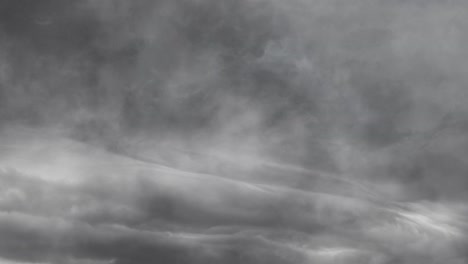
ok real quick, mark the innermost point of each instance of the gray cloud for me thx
(253, 131)
(154, 214)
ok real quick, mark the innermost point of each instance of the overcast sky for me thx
(233, 131)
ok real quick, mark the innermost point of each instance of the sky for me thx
(234, 131)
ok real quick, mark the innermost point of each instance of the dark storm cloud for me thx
(50, 239)
(141, 212)
(135, 192)
(233, 131)
(47, 25)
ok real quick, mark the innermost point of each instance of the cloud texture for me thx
(248, 131)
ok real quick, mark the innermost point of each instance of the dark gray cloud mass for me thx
(234, 131)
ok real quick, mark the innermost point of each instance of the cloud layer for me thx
(252, 131)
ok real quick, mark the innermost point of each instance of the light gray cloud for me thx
(251, 131)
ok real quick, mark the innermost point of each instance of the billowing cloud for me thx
(251, 131)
